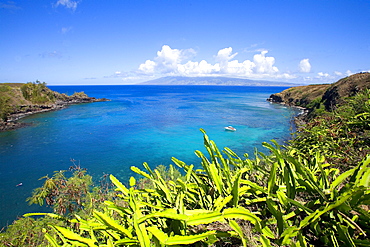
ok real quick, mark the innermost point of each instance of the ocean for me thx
(140, 124)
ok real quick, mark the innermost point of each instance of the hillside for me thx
(324, 96)
(18, 100)
(336, 119)
(219, 81)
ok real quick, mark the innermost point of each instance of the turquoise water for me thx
(141, 124)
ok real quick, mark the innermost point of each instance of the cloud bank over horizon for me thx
(180, 62)
(175, 62)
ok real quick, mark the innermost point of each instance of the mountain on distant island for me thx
(220, 81)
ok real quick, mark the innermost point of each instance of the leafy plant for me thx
(299, 201)
(28, 232)
(315, 203)
(342, 136)
(37, 92)
(70, 195)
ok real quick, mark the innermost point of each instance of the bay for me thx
(140, 124)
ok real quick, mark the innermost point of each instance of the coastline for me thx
(27, 110)
(301, 119)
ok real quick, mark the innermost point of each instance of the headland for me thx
(321, 97)
(18, 100)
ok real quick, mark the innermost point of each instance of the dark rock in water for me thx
(276, 98)
(12, 125)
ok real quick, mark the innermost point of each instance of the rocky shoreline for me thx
(301, 119)
(26, 110)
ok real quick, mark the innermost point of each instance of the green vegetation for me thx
(313, 192)
(32, 97)
(28, 232)
(66, 192)
(6, 96)
(37, 93)
(73, 194)
(342, 136)
(5, 108)
(14, 96)
(79, 95)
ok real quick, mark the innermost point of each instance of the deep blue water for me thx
(140, 124)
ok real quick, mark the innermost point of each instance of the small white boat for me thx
(230, 128)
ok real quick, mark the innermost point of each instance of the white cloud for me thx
(195, 68)
(244, 68)
(53, 54)
(168, 59)
(147, 67)
(223, 56)
(70, 4)
(305, 66)
(253, 48)
(66, 30)
(286, 76)
(323, 75)
(176, 62)
(264, 65)
(10, 5)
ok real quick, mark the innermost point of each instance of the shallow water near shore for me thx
(140, 124)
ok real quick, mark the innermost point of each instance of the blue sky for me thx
(130, 41)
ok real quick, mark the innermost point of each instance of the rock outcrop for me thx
(299, 96)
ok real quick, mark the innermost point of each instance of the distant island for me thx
(18, 100)
(218, 81)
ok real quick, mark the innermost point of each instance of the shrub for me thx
(28, 232)
(302, 201)
(37, 92)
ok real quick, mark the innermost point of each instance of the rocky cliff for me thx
(18, 100)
